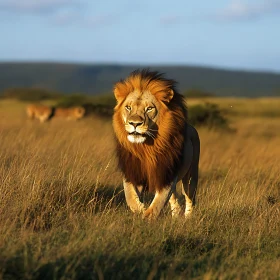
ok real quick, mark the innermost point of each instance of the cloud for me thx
(240, 10)
(59, 12)
(36, 6)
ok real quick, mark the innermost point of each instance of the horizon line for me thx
(139, 64)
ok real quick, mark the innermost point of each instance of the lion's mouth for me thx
(135, 133)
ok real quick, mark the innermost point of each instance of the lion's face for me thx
(140, 112)
(143, 101)
(79, 112)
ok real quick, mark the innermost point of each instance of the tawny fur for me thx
(161, 156)
(72, 113)
(39, 111)
(155, 145)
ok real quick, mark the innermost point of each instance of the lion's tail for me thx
(190, 181)
(196, 152)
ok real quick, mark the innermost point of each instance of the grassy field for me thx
(63, 214)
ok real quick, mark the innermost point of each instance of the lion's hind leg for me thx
(132, 197)
(189, 186)
(176, 209)
(190, 180)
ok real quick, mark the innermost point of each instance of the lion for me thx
(155, 145)
(38, 111)
(72, 113)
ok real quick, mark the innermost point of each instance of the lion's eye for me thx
(128, 108)
(149, 109)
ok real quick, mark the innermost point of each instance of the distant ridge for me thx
(99, 78)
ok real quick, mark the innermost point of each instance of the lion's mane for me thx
(154, 163)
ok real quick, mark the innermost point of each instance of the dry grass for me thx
(63, 215)
(245, 107)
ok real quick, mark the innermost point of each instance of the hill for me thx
(98, 79)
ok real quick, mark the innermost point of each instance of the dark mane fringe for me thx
(146, 74)
(152, 165)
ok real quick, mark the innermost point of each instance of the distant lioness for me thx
(39, 111)
(155, 145)
(73, 113)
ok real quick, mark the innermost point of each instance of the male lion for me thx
(40, 112)
(73, 113)
(156, 147)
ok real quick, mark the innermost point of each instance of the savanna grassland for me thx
(63, 214)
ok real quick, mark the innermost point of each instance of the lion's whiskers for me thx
(150, 134)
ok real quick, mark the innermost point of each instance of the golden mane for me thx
(155, 163)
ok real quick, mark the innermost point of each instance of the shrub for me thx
(30, 94)
(102, 105)
(107, 100)
(197, 93)
(72, 100)
(102, 110)
(207, 114)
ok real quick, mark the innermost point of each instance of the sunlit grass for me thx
(63, 214)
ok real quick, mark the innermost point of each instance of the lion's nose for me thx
(135, 124)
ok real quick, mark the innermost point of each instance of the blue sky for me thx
(241, 34)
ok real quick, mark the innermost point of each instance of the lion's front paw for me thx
(188, 213)
(137, 208)
(147, 214)
(177, 212)
(140, 211)
(150, 214)
(188, 210)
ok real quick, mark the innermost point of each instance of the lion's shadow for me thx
(114, 197)
(105, 196)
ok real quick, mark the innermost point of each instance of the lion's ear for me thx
(169, 95)
(117, 94)
(120, 92)
(166, 96)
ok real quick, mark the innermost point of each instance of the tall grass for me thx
(63, 213)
